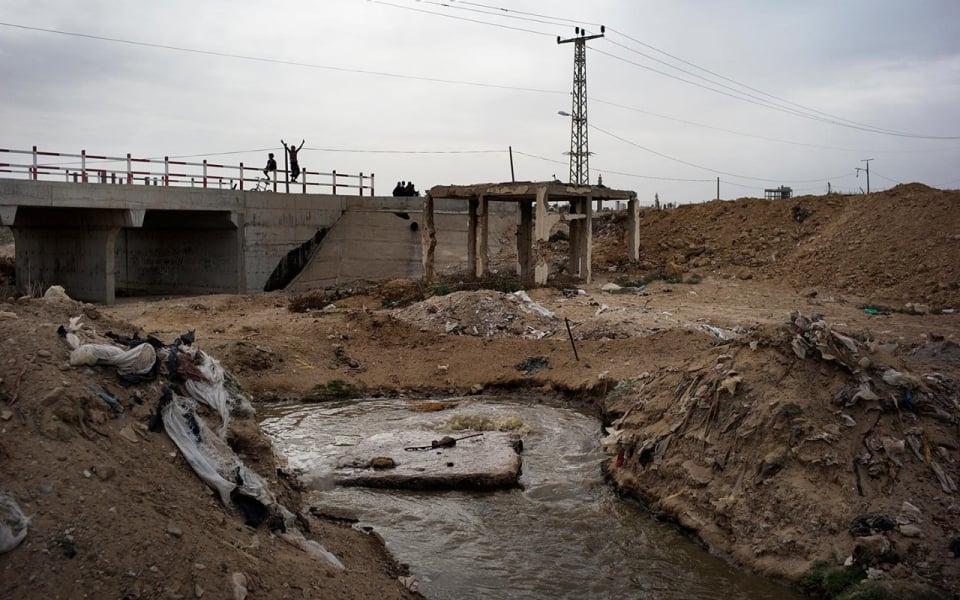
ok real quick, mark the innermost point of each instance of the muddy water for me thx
(563, 534)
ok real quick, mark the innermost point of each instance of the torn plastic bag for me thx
(293, 536)
(13, 523)
(528, 304)
(220, 468)
(211, 391)
(136, 362)
(209, 456)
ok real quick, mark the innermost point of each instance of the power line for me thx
(766, 104)
(277, 60)
(430, 12)
(696, 166)
(654, 177)
(761, 137)
(803, 112)
(743, 85)
(463, 82)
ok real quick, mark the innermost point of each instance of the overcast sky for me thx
(436, 92)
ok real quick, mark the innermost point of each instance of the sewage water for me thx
(563, 534)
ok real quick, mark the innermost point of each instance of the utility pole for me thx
(579, 149)
(867, 160)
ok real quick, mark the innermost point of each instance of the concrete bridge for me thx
(99, 240)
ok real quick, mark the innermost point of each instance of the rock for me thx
(43, 353)
(382, 462)
(129, 434)
(197, 591)
(173, 530)
(609, 288)
(56, 294)
(698, 475)
(6, 415)
(871, 550)
(476, 389)
(239, 582)
(910, 531)
(105, 473)
(909, 514)
(4, 314)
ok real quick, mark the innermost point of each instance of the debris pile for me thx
(825, 420)
(192, 377)
(483, 313)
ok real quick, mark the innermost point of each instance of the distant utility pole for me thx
(866, 160)
(579, 149)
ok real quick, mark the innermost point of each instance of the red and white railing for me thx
(92, 168)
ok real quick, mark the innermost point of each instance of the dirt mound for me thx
(899, 246)
(771, 446)
(115, 509)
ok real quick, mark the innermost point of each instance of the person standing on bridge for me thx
(292, 153)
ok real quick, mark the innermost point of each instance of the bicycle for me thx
(263, 185)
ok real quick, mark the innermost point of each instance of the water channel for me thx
(563, 534)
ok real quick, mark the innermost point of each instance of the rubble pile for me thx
(484, 313)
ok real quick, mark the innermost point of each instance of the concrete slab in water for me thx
(488, 461)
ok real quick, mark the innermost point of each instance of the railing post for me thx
(34, 163)
(204, 172)
(166, 171)
(83, 167)
(371, 185)
(304, 180)
(334, 182)
(241, 176)
(129, 170)
(361, 183)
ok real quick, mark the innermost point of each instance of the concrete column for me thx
(525, 244)
(633, 230)
(543, 226)
(472, 207)
(573, 244)
(428, 240)
(483, 230)
(586, 240)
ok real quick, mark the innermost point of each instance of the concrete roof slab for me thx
(483, 462)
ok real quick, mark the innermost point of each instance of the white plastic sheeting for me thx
(220, 468)
(13, 523)
(211, 391)
(211, 458)
(135, 361)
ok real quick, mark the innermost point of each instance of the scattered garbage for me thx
(527, 303)
(870, 524)
(725, 336)
(195, 377)
(533, 364)
(13, 523)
